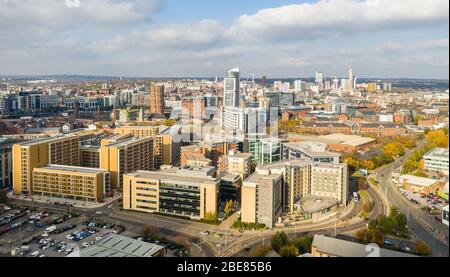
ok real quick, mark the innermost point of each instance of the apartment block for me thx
(330, 180)
(71, 182)
(61, 150)
(126, 156)
(138, 131)
(90, 156)
(6, 164)
(184, 192)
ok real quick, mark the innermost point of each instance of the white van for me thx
(34, 254)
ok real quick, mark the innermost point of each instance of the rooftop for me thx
(343, 248)
(438, 153)
(119, 246)
(313, 204)
(127, 142)
(312, 148)
(191, 176)
(66, 168)
(419, 181)
(46, 140)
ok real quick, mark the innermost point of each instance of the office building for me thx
(126, 156)
(156, 98)
(262, 198)
(188, 192)
(232, 89)
(437, 160)
(319, 78)
(245, 120)
(69, 182)
(230, 187)
(237, 163)
(6, 165)
(314, 151)
(61, 150)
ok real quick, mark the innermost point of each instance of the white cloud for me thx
(328, 18)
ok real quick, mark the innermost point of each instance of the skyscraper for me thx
(319, 78)
(156, 104)
(232, 88)
(351, 79)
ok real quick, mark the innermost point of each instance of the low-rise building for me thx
(314, 151)
(419, 184)
(323, 246)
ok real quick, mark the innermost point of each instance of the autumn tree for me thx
(422, 249)
(437, 139)
(228, 207)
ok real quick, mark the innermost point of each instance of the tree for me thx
(303, 244)
(279, 240)
(394, 149)
(288, 251)
(437, 139)
(228, 208)
(422, 249)
(260, 251)
(211, 217)
(3, 197)
(362, 184)
(369, 165)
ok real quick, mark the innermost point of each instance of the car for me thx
(7, 208)
(407, 249)
(205, 233)
(388, 242)
(30, 230)
(42, 256)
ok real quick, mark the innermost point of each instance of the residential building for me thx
(330, 180)
(232, 88)
(230, 187)
(237, 163)
(156, 99)
(90, 156)
(187, 192)
(69, 182)
(6, 165)
(138, 131)
(126, 156)
(61, 150)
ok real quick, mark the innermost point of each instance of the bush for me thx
(260, 251)
(422, 249)
(248, 226)
(288, 251)
(303, 244)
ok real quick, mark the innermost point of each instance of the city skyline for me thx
(169, 38)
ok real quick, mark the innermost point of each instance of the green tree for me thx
(288, 251)
(279, 240)
(303, 244)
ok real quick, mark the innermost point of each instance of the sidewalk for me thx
(73, 203)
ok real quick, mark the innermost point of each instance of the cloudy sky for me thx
(191, 38)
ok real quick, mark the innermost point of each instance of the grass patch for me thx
(248, 226)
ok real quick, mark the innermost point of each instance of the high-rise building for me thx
(125, 156)
(335, 83)
(351, 79)
(6, 165)
(156, 98)
(189, 192)
(372, 86)
(61, 150)
(299, 86)
(330, 180)
(319, 78)
(232, 88)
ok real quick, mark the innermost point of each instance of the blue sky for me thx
(190, 38)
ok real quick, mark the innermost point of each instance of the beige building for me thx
(238, 163)
(185, 192)
(138, 131)
(61, 150)
(298, 179)
(78, 183)
(90, 156)
(126, 156)
(330, 180)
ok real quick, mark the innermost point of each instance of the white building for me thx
(232, 88)
(386, 118)
(319, 78)
(245, 120)
(437, 160)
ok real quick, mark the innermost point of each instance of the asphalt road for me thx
(418, 221)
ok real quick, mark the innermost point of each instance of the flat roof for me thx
(46, 139)
(120, 246)
(420, 181)
(127, 142)
(176, 175)
(67, 168)
(314, 204)
(348, 139)
(311, 148)
(438, 153)
(343, 248)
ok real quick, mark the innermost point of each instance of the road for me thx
(417, 219)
